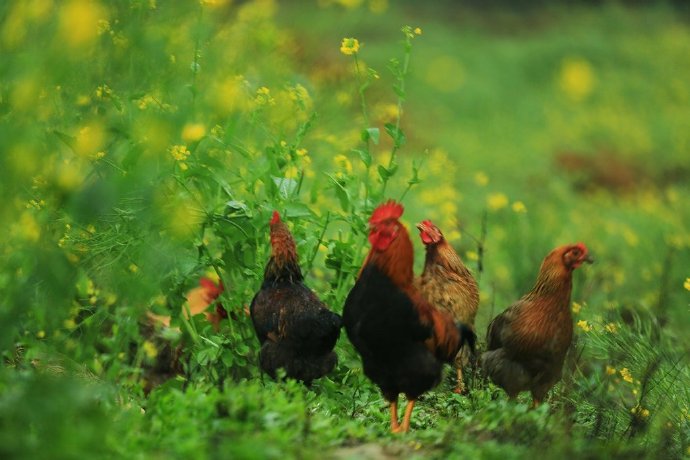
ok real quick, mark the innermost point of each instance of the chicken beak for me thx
(588, 259)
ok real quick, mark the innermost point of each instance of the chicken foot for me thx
(395, 426)
(405, 427)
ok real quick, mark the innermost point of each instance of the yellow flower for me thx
(79, 22)
(41, 334)
(193, 132)
(133, 268)
(27, 227)
(301, 152)
(627, 376)
(349, 46)
(686, 285)
(577, 78)
(642, 412)
(418, 31)
(263, 97)
(472, 255)
(584, 325)
(291, 172)
(610, 370)
(344, 163)
(496, 201)
(611, 327)
(150, 349)
(103, 91)
(179, 152)
(519, 207)
(576, 308)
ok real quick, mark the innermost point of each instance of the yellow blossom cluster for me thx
(584, 325)
(519, 207)
(611, 327)
(263, 97)
(576, 78)
(179, 152)
(641, 411)
(576, 307)
(103, 92)
(349, 46)
(626, 374)
(192, 132)
(343, 163)
(150, 349)
(496, 201)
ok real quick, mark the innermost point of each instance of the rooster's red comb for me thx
(427, 223)
(276, 218)
(388, 210)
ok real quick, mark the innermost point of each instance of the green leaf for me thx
(341, 193)
(286, 187)
(387, 173)
(396, 134)
(68, 140)
(371, 133)
(399, 92)
(237, 207)
(297, 210)
(365, 156)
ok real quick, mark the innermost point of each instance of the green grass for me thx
(140, 152)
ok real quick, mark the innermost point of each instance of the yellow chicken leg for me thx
(405, 427)
(395, 426)
(460, 388)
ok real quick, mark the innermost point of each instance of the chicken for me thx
(528, 342)
(198, 301)
(200, 298)
(296, 330)
(402, 339)
(158, 331)
(448, 285)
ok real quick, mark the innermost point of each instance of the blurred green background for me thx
(143, 144)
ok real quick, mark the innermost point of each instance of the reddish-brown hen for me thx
(296, 330)
(402, 338)
(448, 285)
(527, 343)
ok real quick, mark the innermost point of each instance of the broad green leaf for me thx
(365, 156)
(286, 187)
(371, 133)
(396, 134)
(297, 210)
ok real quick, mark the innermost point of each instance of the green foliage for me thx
(145, 145)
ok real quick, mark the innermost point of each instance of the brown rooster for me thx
(447, 284)
(402, 338)
(527, 343)
(296, 330)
